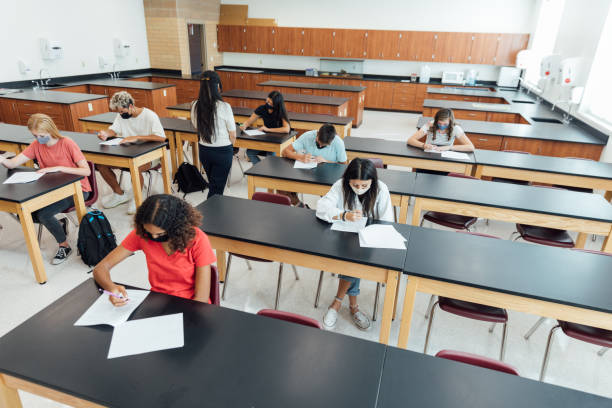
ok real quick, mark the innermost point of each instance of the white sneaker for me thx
(116, 199)
(330, 318)
(131, 207)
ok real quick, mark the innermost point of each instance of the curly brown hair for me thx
(175, 216)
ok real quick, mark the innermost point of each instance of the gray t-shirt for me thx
(441, 138)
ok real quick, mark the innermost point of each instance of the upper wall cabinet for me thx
(446, 47)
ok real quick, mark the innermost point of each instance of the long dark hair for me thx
(441, 115)
(206, 108)
(361, 169)
(278, 108)
(177, 217)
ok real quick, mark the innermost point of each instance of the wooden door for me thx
(237, 38)
(318, 42)
(508, 46)
(382, 44)
(349, 43)
(502, 117)
(288, 40)
(8, 111)
(259, 39)
(452, 47)
(421, 44)
(223, 38)
(484, 48)
(487, 142)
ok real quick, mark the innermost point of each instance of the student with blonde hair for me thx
(53, 152)
(134, 125)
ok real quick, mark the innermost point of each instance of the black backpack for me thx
(96, 238)
(189, 179)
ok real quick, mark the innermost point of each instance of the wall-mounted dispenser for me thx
(51, 49)
(24, 68)
(549, 66)
(122, 48)
(102, 63)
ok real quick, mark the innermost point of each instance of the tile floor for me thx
(574, 364)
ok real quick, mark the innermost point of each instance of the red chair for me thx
(511, 181)
(290, 317)
(215, 299)
(269, 198)
(543, 235)
(378, 163)
(470, 310)
(476, 360)
(454, 221)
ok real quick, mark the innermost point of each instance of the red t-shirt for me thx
(173, 274)
(64, 153)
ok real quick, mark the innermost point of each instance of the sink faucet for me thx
(41, 76)
(114, 74)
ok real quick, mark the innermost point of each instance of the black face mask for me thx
(126, 115)
(319, 146)
(162, 238)
(270, 107)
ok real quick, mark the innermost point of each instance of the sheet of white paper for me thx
(102, 310)
(147, 335)
(455, 155)
(112, 142)
(349, 226)
(23, 177)
(254, 132)
(432, 151)
(387, 245)
(381, 236)
(301, 165)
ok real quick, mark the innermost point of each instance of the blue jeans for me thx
(46, 216)
(252, 155)
(353, 290)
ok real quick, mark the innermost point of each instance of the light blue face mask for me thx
(43, 139)
(442, 127)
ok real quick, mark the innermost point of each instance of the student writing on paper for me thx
(321, 146)
(275, 119)
(441, 134)
(357, 194)
(53, 152)
(133, 124)
(177, 251)
(214, 120)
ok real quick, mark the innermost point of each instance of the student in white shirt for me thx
(441, 134)
(357, 194)
(216, 127)
(134, 125)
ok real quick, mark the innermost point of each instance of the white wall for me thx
(443, 15)
(85, 27)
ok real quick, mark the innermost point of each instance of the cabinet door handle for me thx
(483, 140)
(471, 114)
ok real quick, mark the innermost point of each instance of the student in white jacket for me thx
(357, 194)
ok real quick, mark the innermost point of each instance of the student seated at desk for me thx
(357, 194)
(177, 251)
(441, 134)
(133, 124)
(321, 146)
(275, 119)
(53, 152)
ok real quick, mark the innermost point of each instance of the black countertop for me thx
(19, 193)
(298, 98)
(65, 98)
(147, 86)
(306, 85)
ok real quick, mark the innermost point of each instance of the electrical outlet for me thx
(90, 107)
(164, 92)
(260, 61)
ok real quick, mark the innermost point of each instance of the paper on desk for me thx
(23, 177)
(349, 226)
(147, 335)
(254, 132)
(102, 310)
(381, 236)
(112, 142)
(432, 151)
(455, 155)
(301, 165)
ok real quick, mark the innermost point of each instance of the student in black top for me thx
(275, 119)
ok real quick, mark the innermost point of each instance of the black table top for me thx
(395, 148)
(313, 99)
(66, 98)
(294, 229)
(541, 272)
(118, 83)
(399, 182)
(450, 90)
(416, 380)
(19, 193)
(311, 85)
(230, 359)
(547, 164)
(267, 137)
(535, 199)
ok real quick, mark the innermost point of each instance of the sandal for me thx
(360, 319)
(330, 318)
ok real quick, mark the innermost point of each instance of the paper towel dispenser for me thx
(122, 48)
(51, 49)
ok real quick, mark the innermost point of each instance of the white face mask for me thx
(360, 191)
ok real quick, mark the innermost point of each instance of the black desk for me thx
(547, 281)
(277, 173)
(412, 379)
(24, 199)
(563, 209)
(400, 154)
(230, 359)
(295, 236)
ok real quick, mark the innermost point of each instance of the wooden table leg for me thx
(404, 204)
(411, 289)
(396, 296)
(221, 264)
(136, 187)
(477, 171)
(9, 397)
(468, 170)
(387, 314)
(79, 204)
(172, 144)
(251, 184)
(416, 212)
(179, 150)
(581, 240)
(165, 171)
(608, 196)
(29, 233)
(195, 153)
(607, 244)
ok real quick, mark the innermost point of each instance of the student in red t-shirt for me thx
(178, 252)
(53, 152)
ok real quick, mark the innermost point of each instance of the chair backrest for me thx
(461, 175)
(93, 197)
(378, 163)
(272, 198)
(591, 251)
(215, 299)
(476, 360)
(515, 151)
(478, 234)
(290, 317)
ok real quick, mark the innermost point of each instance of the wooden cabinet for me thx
(487, 142)
(231, 38)
(417, 45)
(288, 41)
(467, 114)
(484, 48)
(260, 39)
(508, 46)
(382, 44)
(403, 97)
(157, 100)
(8, 111)
(76, 89)
(379, 95)
(319, 42)
(349, 43)
(187, 90)
(452, 97)
(502, 117)
(486, 99)
(452, 47)
(552, 148)
(223, 38)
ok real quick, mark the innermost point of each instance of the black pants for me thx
(217, 163)
(46, 216)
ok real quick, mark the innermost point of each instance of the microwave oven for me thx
(452, 77)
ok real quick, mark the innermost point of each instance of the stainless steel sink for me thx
(547, 120)
(50, 86)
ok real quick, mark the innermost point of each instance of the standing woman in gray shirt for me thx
(214, 121)
(441, 134)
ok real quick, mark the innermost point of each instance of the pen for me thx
(106, 292)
